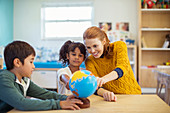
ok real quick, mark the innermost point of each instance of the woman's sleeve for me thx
(91, 67)
(122, 57)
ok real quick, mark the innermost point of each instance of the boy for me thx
(15, 84)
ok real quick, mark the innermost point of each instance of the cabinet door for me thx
(45, 79)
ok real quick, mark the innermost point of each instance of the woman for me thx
(109, 62)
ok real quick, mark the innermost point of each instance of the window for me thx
(63, 21)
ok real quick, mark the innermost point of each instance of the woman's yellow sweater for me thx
(100, 67)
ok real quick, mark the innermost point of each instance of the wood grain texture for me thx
(124, 104)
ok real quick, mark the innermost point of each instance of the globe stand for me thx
(86, 103)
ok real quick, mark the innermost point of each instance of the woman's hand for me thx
(100, 82)
(71, 103)
(109, 96)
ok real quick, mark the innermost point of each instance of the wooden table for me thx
(124, 104)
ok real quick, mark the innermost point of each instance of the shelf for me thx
(164, 49)
(131, 46)
(155, 19)
(155, 29)
(165, 67)
(154, 26)
(155, 9)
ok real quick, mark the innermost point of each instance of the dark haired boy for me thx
(15, 84)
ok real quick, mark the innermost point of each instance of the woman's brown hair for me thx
(95, 32)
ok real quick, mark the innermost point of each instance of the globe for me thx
(83, 83)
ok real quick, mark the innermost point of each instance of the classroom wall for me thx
(117, 11)
(6, 22)
(27, 18)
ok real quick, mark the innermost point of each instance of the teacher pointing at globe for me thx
(109, 62)
(73, 54)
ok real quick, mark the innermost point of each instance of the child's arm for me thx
(65, 79)
(41, 93)
(107, 95)
(11, 96)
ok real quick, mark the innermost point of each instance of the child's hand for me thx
(65, 78)
(109, 96)
(70, 103)
(100, 82)
(67, 85)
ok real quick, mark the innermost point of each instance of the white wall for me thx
(27, 21)
(117, 11)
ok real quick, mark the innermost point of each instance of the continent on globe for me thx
(83, 83)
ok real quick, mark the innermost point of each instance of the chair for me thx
(163, 79)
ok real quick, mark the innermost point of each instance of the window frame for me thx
(68, 4)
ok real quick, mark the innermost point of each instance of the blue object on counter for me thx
(130, 41)
(49, 65)
(83, 65)
(4, 66)
(52, 65)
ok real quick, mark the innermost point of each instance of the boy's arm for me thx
(107, 95)
(41, 93)
(65, 103)
(12, 95)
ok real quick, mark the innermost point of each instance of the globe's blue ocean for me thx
(83, 83)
